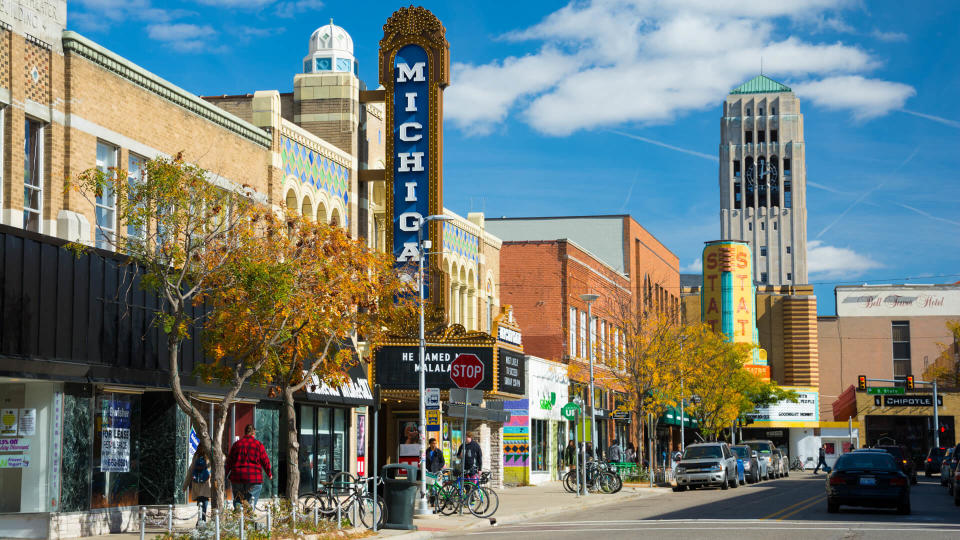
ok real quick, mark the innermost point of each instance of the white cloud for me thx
(836, 262)
(889, 37)
(603, 63)
(867, 98)
(694, 267)
(183, 37)
(247, 4)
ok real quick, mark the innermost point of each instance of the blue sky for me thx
(613, 106)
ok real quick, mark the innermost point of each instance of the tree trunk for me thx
(293, 446)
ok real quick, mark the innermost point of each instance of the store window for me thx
(32, 175)
(115, 479)
(29, 412)
(136, 173)
(323, 444)
(573, 332)
(539, 432)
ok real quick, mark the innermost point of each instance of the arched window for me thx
(292, 201)
(306, 210)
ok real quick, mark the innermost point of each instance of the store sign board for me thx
(898, 301)
(14, 462)
(907, 401)
(509, 335)
(806, 409)
(414, 69)
(570, 411)
(398, 366)
(115, 437)
(511, 373)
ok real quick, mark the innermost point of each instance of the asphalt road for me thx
(793, 507)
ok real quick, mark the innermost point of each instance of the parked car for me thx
(765, 453)
(784, 463)
(870, 479)
(946, 466)
(707, 464)
(934, 459)
(954, 466)
(903, 457)
(751, 465)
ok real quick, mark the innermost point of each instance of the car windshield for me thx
(937, 452)
(875, 461)
(763, 447)
(741, 451)
(698, 452)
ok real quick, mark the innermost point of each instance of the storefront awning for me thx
(672, 418)
(355, 391)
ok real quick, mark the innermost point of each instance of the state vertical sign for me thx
(414, 70)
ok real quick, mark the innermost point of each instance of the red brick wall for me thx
(531, 280)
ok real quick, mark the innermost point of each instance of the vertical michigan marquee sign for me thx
(728, 300)
(414, 70)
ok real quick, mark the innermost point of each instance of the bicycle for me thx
(599, 478)
(480, 500)
(796, 464)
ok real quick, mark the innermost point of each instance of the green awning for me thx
(672, 418)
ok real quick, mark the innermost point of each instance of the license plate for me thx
(868, 481)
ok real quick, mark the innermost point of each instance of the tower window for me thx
(763, 226)
(748, 137)
(761, 111)
(789, 276)
(763, 251)
(773, 111)
(736, 168)
(788, 250)
(748, 111)
(774, 225)
(763, 277)
(749, 225)
(786, 166)
(787, 194)
(774, 136)
(761, 136)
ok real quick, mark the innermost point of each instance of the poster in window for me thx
(27, 425)
(115, 437)
(8, 422)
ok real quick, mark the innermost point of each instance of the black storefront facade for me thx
(90, 429)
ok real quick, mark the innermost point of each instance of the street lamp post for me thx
(423, 508)
(590, 299)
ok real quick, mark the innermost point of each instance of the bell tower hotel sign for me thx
(42, 19)
(414, 70)
(898, 301)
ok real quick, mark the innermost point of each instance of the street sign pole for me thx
(936, 418)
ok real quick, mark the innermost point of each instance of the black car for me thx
(872, 479)
(934, 460)
(903, 458)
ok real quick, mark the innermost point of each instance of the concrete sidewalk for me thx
(521, 504)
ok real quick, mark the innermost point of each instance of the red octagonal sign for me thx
(466, 371)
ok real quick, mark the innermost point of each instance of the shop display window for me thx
(539, 433)
(116, 450)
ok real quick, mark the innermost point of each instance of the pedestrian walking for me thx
(198, 482)
(821, 459)
(245, 465)
(471, 457)
(435, 460)
(615, 453)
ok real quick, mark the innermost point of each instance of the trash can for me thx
(399, 495)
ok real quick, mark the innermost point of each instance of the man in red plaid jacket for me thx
(247, 458)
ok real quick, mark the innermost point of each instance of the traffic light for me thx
(909, 382)
(862, 382)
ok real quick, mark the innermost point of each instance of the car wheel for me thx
(956, 497)
(678, 489)
(832, 507)
(913, 480)
(904, 508)
(735, 483)
(786, 473)
(725, 484)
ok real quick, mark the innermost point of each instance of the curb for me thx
(512, 518)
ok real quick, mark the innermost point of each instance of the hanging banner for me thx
(361, 445)
(115, 437)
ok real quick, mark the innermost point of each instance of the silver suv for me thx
(765, 450)
(707, 464)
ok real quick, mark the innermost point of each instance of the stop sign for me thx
(466, 371)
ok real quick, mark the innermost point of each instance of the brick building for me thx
(547, 263)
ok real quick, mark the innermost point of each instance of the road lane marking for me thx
(802, 508)
(783, 528)
(792, 506)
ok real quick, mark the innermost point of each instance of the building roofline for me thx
(75, 43)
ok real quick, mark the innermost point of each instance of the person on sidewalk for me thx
(821, 459)
(591, 454)
(247, 459)
(198, 482)
(614, 453)
(471, 457)
(570, 455)
(631, 453)
(435, 460)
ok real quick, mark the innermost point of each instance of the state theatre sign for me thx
(414, 70)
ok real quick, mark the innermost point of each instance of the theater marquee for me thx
(414, 70)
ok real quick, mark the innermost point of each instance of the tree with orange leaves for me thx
(180, 235)
(295, 295)
(946, 368)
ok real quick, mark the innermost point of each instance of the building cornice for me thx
(74, 43)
